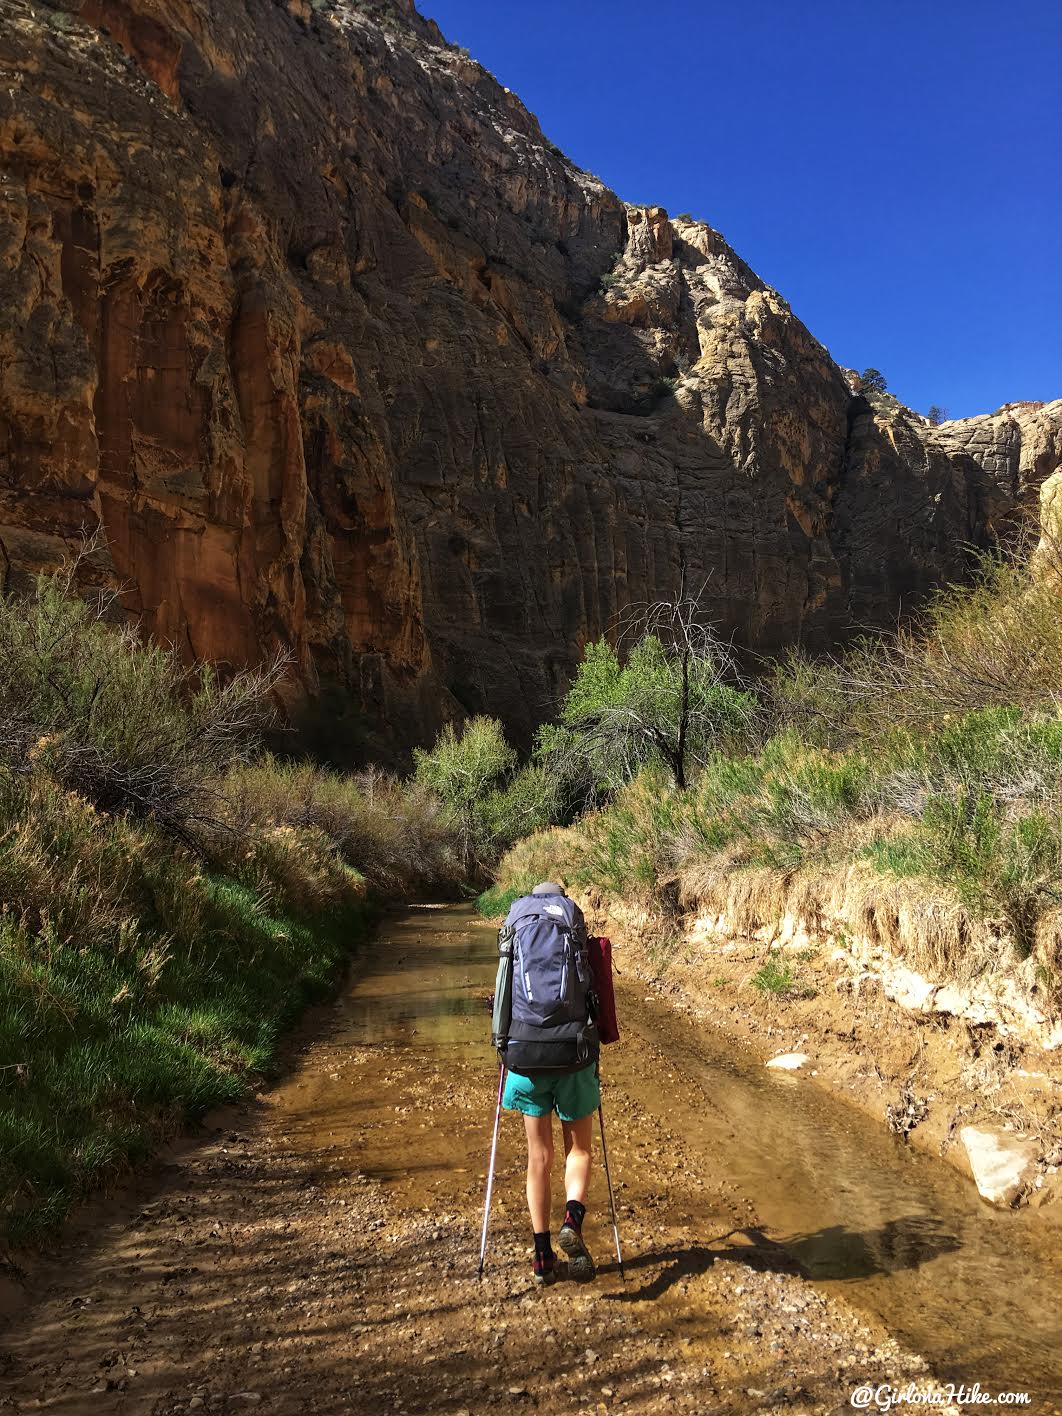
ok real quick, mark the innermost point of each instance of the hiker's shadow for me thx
(831, 1253)
(906, 1243)
(688, 1260)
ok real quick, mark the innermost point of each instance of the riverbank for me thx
(964, 1067)
(923, 1074)
(171, 896)
(143, 982)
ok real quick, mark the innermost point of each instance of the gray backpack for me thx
(543, 1013)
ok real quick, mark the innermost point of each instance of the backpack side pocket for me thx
(501, 1018)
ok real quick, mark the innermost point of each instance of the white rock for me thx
(789, 1061)
(909, 989)
(963, 1004)
(1003, 1165)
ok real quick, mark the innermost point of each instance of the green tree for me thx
(873, 381)
(465, 768)
(670, 702)
(530, 801)
(936, 414)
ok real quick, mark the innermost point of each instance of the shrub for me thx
(998, 865)
(529, 802)
(669, 704)
(464, 768)
(663, 386)
(808, 796)
(398, 837)
(782, 804)
(995, 643)
(807, 696)
(1001, 751)
(166, 906)
(611, 277)
(297, 872)
(118, 720)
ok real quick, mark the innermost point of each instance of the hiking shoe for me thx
(544, 1270)
(580, 1264)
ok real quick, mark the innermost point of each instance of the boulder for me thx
(1003, 1165)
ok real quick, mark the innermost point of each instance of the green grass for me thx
(496, 900)
(103, 1053)
(171, 898)
(994, 861)
(780, 980)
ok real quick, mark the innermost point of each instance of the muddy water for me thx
(901, 1235)
(976, 1290)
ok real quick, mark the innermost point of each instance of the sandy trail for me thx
(316, 1253)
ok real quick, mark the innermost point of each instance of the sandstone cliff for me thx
(301, 307)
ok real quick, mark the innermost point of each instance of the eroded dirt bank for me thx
(924, 1075)
(317, 1252)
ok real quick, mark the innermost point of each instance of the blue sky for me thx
(895, 169)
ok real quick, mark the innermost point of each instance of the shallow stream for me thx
(975, 1290)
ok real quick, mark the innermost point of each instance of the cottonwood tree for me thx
(671, 700)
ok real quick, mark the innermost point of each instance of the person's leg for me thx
(580, 1099)
(539, 1164)
(578, 1136)
(539, 1131)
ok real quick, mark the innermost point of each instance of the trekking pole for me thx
(490, 1172)
(611, 1196)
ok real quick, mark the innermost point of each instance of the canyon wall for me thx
(302, 310)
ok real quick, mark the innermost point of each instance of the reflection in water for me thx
(431, 986)
(840, 1253)
(837, 1196)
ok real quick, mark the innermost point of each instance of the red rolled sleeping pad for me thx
(600, 952)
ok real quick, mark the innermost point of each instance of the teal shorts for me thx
(572, 1095)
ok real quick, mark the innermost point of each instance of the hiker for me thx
(545, 1030)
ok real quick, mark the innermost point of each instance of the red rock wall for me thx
(300, 306)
